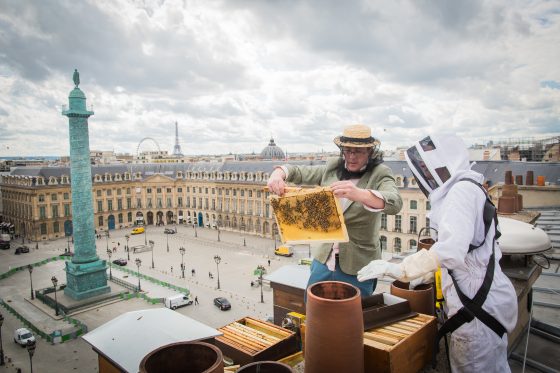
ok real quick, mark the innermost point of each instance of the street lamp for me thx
(195, 233)
(217, 259)
(107, 237)
(138, 262)
(68, 244)
(218, 234)
(30, 268)
(152, 245)
(182, 251)
(261, 270)
(55, 282)
(127, 249)
(145, 239)
(31, 349)
(167, 234)
(109, 254)
(1, 348)
(244, 242)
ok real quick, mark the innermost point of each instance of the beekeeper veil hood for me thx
(436, 161)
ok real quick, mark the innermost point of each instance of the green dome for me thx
(77, 93)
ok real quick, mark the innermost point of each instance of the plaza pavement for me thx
(238, 261)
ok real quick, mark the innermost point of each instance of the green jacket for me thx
(362, 225)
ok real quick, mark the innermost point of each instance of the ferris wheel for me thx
(147, 139)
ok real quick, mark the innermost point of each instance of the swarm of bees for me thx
(313, 211)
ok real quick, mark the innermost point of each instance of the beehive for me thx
(309, 215)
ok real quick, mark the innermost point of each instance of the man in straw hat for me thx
(365, 187)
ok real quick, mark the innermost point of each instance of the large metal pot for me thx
(192, 357)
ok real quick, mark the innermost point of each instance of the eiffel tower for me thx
(177, 148)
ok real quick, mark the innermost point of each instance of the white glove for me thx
(426, 279)
(379, 268)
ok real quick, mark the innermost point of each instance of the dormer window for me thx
(118, 177)
(40, 180)
(108, 177)
(53, 180)
(98, 178)
(127, 176)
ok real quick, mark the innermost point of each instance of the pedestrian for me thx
(192, 272)
(171, 269)
(114, 249)
(196, 300)
(481, 303)
(210, 275)
(366, 190)
(119, 244)
(269, 262)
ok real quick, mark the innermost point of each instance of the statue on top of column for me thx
(76, 78)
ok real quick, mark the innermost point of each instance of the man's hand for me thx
(276, 182)
(347, 189)
(379, 268)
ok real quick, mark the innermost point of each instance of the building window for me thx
(242, 193)
(109, 192)
(427, 223)
(127, 190)
(42, 212)
(110, 205)
(99, 206)
(149, 203)
(100, 221)
(138, 203)
(43, 228)
(159, 203)
(428, 206)
(119, 192)
(179, 190)
(206, 190)
(41, 198)
(398, 223)
(129, 203)
(169, 202)
(66, 196)
(412, 244)
(98, 193)
(250, 193)
(383, 242)
(148, 190)
(129, 217)
(168, 190)
(53, 197)
(413, 205)
(383, 221)
(413, 224)
(67, 210)
(397, 244)
(120, 219)
(158, 190)
(56, 227)
(54, 211)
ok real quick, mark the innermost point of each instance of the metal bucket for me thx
(193, 357)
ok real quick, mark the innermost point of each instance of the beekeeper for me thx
(480, 300)
(365, 188)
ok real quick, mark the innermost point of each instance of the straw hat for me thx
(357, 136)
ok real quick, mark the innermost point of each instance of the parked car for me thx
(169, 231)
(22, 249)
(4, 245)
(120, 262)
(222, 303)
(137, 230)
(22, 336)
(284, 251)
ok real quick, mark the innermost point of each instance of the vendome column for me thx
(86, 273)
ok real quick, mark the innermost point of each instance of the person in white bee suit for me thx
(480, 300)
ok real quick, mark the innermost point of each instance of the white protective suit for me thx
(457, 214)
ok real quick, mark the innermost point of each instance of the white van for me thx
(177, 300)
(5, 237)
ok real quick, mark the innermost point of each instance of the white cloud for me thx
(233, 73)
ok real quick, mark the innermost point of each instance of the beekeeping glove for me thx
(428, 278)
(412, 267)
(379, 268)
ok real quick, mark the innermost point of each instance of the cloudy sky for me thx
(232, 73)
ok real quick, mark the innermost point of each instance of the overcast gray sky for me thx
(232, 73)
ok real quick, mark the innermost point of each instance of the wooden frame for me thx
(306, 215)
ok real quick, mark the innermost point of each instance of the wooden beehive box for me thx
(402, 347)
(249, 340)
(309, 215)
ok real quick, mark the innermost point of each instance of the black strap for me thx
(489, 214)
